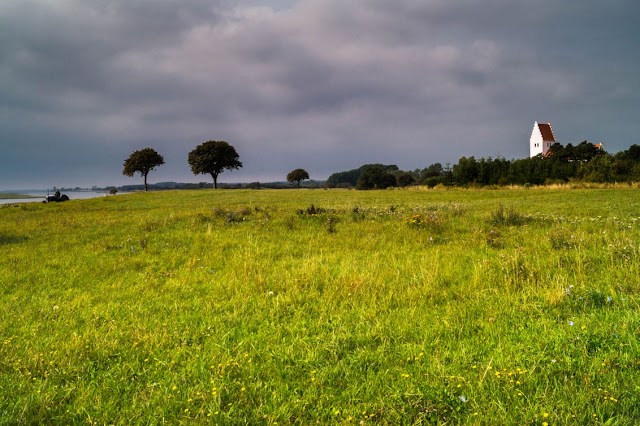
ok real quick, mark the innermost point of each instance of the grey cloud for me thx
(321, 84)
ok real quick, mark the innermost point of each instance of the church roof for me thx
(546, 132)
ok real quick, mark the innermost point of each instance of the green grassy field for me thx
(327, 306)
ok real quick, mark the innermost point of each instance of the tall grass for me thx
(388, 307)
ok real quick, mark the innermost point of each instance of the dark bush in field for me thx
(510, 217)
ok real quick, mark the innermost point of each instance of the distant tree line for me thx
(160, 186)
(583, 162)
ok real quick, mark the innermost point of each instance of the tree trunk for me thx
(145, 182)
(215, 181)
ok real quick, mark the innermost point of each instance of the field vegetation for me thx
(509, 306)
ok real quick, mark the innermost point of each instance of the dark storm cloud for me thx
(321, 84)
(54, 47)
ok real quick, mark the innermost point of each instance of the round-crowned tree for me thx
(142, 161)
(296, 176)
(212, 158)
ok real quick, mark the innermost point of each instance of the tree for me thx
(633, 153)
(352, 176)
(296, 176)
(142, 161)
(434, 170)
(466, 171)
(405, 179)
(376, 176)
(586, 151)
(212, 158)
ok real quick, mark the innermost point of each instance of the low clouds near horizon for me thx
(325, 85)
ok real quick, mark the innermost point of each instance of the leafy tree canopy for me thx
(633, 153)
(434, 170)
(296, 176)
(352, 176)
(405, 179)
(376, 177)
(142, 161)
(212, 158)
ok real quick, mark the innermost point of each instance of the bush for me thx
(431, 181)
(232, 216)
(509, 217)
(312, 210)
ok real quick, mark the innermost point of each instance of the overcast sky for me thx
(325, 85)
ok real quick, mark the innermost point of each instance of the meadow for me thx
(479, 307)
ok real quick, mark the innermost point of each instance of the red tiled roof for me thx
(546, 132)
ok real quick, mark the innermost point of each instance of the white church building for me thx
(542, 138)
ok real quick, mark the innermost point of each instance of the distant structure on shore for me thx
(542, 138)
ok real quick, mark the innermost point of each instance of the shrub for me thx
(312, 210)
(431, 181)
(232, 216)
(509, 217)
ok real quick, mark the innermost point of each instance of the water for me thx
(41, 195)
